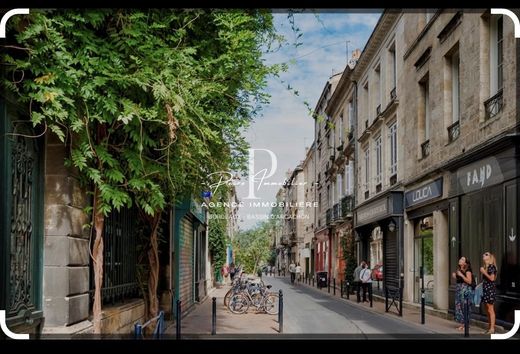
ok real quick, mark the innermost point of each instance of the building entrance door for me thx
(423, 260)
(21, 221)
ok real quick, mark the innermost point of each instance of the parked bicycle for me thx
(256, 295)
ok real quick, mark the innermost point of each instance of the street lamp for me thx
(391, 226)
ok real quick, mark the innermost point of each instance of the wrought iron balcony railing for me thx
(494, 105)
(425, 148)
(347, 205)
(336, 212)
(454, 131)
(393, 94)
(328, 216)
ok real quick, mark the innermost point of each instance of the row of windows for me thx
(379, 158)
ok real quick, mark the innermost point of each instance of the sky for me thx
(284, 126)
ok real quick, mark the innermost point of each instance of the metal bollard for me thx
(138, 330)
(178, 320)
(328, 284)
(341, 288)
(348, 290)
(280, 311)
(334, 286)
(370, 293)
(214, 316)
(423, 306)
(466, 318)
(313, 281)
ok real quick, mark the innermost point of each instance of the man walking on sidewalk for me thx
(357, 280)
(292, 270)
(366, 282)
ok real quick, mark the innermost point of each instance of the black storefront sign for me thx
(389, 205)
(481, 174)
(423, 194)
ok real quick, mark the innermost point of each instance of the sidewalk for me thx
(411, 314)
(198, 321)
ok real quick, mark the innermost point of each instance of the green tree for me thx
(252, 247)
(150, 101)
(348, 246)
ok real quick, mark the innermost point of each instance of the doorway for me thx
(423, 260)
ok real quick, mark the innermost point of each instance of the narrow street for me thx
(312, 311)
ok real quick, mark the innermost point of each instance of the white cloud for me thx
(285, 126)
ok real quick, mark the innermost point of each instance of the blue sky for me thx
(284, 126)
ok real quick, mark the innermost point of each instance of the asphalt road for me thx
(311, 311)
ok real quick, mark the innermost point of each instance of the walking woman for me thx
(463, 292)
(489, 276)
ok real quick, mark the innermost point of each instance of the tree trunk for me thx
(97, 256)
(153, 260)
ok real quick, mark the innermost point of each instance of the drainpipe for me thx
(354, 135)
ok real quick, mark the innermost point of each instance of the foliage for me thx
(217, 234)
(252, 247)
(146, 96)
(151, 101)
(349, 255)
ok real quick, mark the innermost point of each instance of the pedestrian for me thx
(489, 277)
(298, 271)
(232, 271)
(463, 291)
(357, 280)
(366, 281)
(292, 270)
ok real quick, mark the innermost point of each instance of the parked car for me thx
(377, 272)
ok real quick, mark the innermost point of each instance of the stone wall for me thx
(66, 249)
(122, 318)
(472, 36)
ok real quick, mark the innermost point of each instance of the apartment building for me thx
(340, 171)
(324, 157)
(378, 217)
(458, 90)
(306, 248)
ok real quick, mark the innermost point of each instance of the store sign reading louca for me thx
(478, 175)
(424, 193)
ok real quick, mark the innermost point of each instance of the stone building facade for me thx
(379, 213)
(324, 151)
(459, 90)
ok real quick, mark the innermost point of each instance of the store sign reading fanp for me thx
(480, 174)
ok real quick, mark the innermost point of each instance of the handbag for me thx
(477, 296)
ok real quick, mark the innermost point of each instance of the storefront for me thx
(321, 249)
(483, 217)
(426, 244)
(379, 232)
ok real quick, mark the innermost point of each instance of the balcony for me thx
(494, 105)
(425, 149)
(453, 131)
(347, 205)
(393, 94)
(378, 110)
(336, 213)
(328, 216)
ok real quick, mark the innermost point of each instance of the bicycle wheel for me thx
(228, 296)
(271, 304)
(238, 304)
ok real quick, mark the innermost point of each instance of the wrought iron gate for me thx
(21, 221)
